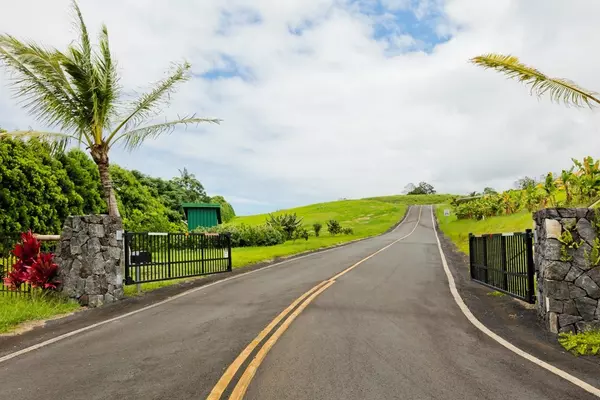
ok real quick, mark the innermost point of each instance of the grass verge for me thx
(585, 343)
(15, 310)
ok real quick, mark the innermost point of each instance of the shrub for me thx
(248, 235)
(301, 233)
(347, 231)
(32, 267)
(334, 227)
(286, 223)
(317, 228)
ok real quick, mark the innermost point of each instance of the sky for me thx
(329, 99)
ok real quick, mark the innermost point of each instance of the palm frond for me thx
(107, 73)
(559, 90)
(134, 138)
(40, 83)
(84, 37)
(148, 105)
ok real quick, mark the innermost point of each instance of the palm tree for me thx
(559, 90)
(78, 93)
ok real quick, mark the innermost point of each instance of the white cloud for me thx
(329, 112)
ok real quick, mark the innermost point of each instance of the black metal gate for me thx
(151, 257)
(504, 261)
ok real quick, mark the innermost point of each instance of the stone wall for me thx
(90, 259)
(568, 283)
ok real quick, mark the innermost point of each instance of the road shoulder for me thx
(514, 320)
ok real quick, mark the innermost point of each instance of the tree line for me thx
(40, 188)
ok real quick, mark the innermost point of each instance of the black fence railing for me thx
(152, 257)
(504, 262)
(8, 241)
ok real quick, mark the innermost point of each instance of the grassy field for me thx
(17, 309)
(365, 217)
(416, 199)
(458, 230)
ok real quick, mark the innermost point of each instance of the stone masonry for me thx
(90, 259)
(568, 284)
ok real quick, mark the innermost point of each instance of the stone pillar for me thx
(90, 259)
(568, 280)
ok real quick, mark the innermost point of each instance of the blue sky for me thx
(329, 99)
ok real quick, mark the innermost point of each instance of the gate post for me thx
(568, 281)
(90, 257)
(530, 266)
(230, 264)
(471, 256)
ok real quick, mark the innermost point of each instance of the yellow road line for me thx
(240, 389)
(222, 384)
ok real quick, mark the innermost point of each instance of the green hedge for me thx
(248, 235)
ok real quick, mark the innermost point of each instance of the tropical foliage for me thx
(579, 185)
(77, 92)
(288, 224)
(38, 190)
(559, 90)
(32, 267)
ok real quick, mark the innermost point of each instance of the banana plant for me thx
(565, 182)
(588, 178)
(549, 187)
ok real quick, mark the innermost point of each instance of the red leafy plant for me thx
(32, 266)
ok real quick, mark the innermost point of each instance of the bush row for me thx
(248, 235)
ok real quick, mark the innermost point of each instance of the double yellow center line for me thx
(242, 385)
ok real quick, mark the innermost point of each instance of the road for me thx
(386, 329)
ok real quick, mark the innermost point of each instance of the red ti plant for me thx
(43, 271)
(32, 267)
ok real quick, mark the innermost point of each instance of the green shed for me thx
(202, 214)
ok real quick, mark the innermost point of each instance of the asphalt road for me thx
(387, 329)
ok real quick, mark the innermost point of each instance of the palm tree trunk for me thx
(100, 157)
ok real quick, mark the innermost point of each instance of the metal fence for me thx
(8, 241)
(504, 262)
(152, 257)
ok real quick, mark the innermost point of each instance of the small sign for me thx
(446, 213)
(225, 253)
(119, 234)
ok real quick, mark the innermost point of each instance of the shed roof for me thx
(200, 205)
(187, 206)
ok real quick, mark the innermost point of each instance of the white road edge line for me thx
(168, 300)
(465, 310)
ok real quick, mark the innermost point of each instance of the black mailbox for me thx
(141, 257)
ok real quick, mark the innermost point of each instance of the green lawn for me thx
(458, 230)
(15, 309)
